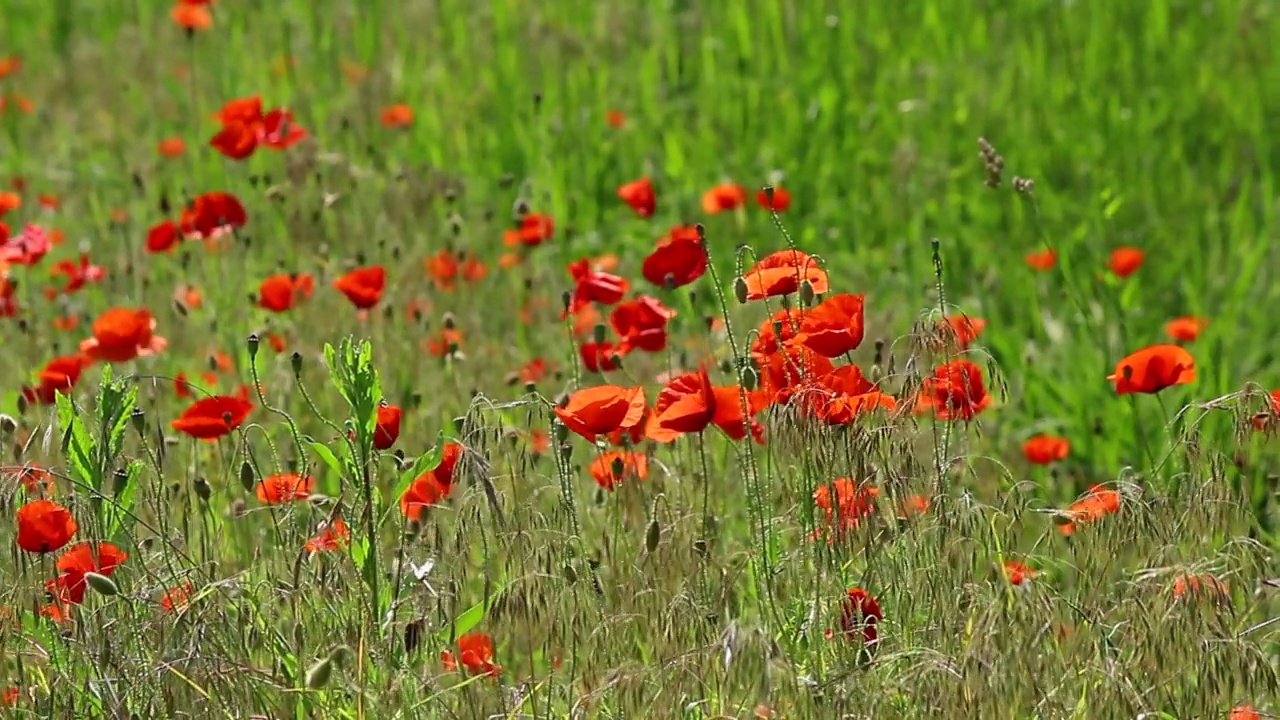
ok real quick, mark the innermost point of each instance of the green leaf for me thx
(327, 456)
(118, 507)
(471, 617)
(426, 462)
(77, 445)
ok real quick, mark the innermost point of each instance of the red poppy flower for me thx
(602, 409)
(678, 259)
(686, 404)
(843, 394)
(432, 486)
(782, 273)
(1046, 449)
(282, 291)
(363, 286)
(1244, 712)
(387, 430)
(1098, 502)
(641, 323)
(615, 118)
(1018, 572)
(176, 598)
(1185, 329)
(534, 370)
(640, 196)
(780, 201)
(1199, 587)
(172, 147)
(476, 652)
(163, 237)
(1042, 260)
(191, 17)
(59, 375)
(8, 302)
(789, 369)
(964, 328)
(396, 116)
(859, 615)
(729, 415)
(332, 536)
(245, 127)
(954, 391)
(834, 327)
(722, 197)
(79, 274)
(1153, 369)
(211, 215)
(122, 334)
(75, 562)
(1125, 261)
(594, 286)
(610, 468)
(213, 417)
(44, 526)
(533, 230)
(27, 247)
(777, 331)
(599, 357)
(284, 487)
(845, 503)
(235, 140)
(9, 201)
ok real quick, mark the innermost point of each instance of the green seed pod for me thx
(560, 431)
(139, 420)
(570, 575)
(247, 479)
(101, 584)
(806, 293)
(652, 536)
(740, 289)
(201, 486)
(598, 332)
(750, 378)
(296, 361)
(318, 675)
(252, 343)
(120, 481)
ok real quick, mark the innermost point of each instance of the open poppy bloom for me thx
(1153, 369)
(1042, 260)
(1185, 329)
(610, 468)
(245, 126)
(1199, 587)
(177, 597)
(777, 200)
(602, 409)
(1046, 449)
(954, 391)
(641, 323)
(432, 486)
(730, 417)
(284, 487)
(1018, 572)
(44, 526)
(782, 273)
(191, 17)
(122, 334)
(843, 394)
(58, 376)
(964, 329)
(835, 326)
(363, 286)
(599, 357)
(387, 430)
(163, 237)
(533, 230)
(79, 274)
(594, 286)
(78, 560)
(686, 404)
(476, 655)
(845, 503)
(1244, 712)
(396, 116)
(858, 616)
(1098, 502)
(172, 147)
(282, 291)
(211, 215)
(640, 196)
(678, 259)
(1125, 261)
(722, 197)
(332, 536)
(27, 247)
(790, 369)
(213, 417)
(776, 331)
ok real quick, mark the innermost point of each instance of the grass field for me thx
(380, 360)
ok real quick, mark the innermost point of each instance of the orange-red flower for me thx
(284, 487)
(845, 503)
(1125, 261)
(780, 201)
(678, 259)
(387, 430)
(211, 215)
(1199, 587)
(840, 396)
(599, 356)
(79, 273)
(615, 118)
(640, 196)
(1042, 259)
(213, 417)
(610, 468)
(332, 536)
(363, 286)
(75, 562)
(792, 367)
(730, 416)
(177, 597)
(282, 291)
(602, 409)
(782, 273)
(835, 326)
(1185, 329)
(44, 526)
(122, 334)
(594, 286)
(533, 230)
(245, 127)
(27, 247)
(163, 236)
(686, 404)
(954, 391)
(963, 328)
(396, 116)
(59, 375)
(172, 147)
(1098, 502)
(1046, 449)
(722, 197)
(1153, 369)
(859, 615)
(476, 655)
(1244, 712)
(1018, 572)
(432, 486)
(191, 17)
(641, 323)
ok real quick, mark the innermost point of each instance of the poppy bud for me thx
(598, 333)
(460, 424)
(247, 479)
(560, 431)
(22, 404)
(318, 674)
(530, 387)
(570, 575)
(412, 528)
(448, 321)
(252, 343)
(566, 299)
(750, 378)
(768, 194)
(520, 208)
(296, 361)
(652, 536)
(120, 481)
(139, 419)
(740, 289)
(201, 486)
(806, 293)
(7, 426)
(566, 452)
(101, 584)
(298, 637)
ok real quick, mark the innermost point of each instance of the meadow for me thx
(596, 359)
